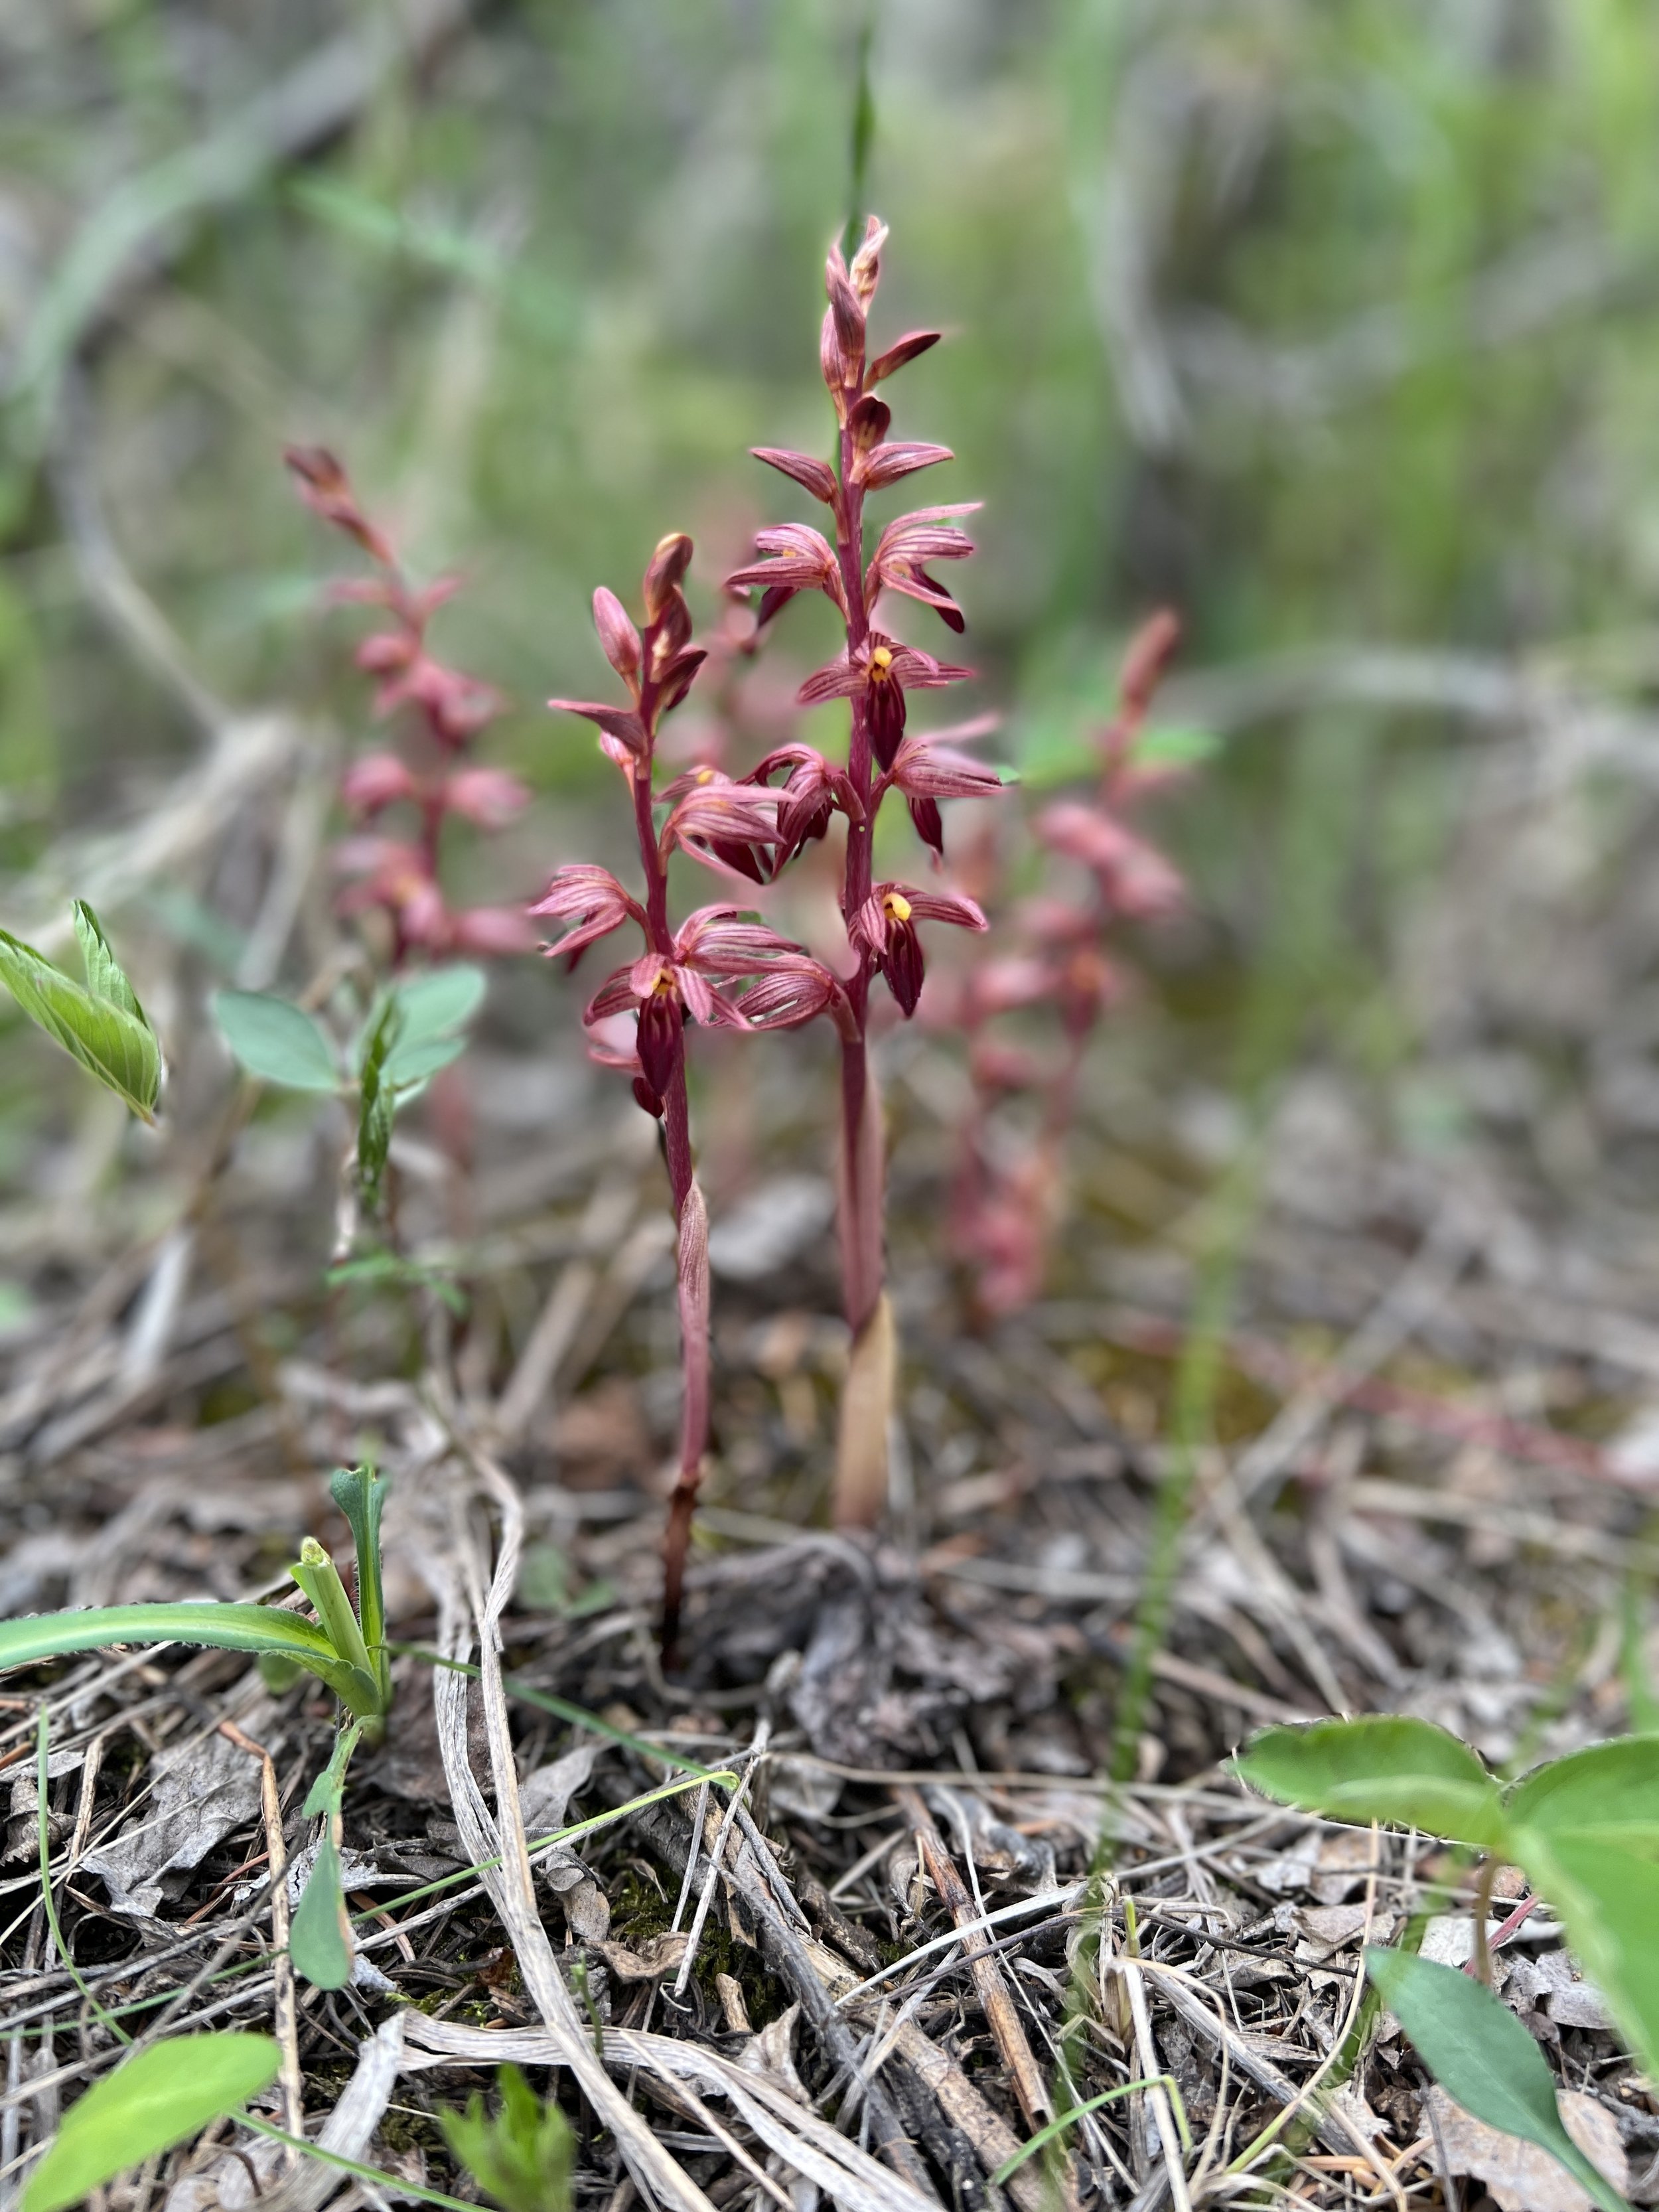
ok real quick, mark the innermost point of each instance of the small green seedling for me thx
(99, 1021)
(413, 1029)
(343, 1648)
(1583, 1829)
(161, 2097)
(521, 2157)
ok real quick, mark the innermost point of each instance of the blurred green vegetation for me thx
(1330, 321)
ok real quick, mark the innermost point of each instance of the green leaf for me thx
(377, 1105)
(1175, 746)
(1608, 1901)
(359, 1493)
(319, 1578)
(1382, 1767)
(277, 1042)
(440, 1002)
(390, 1270)
(319, 1939)
(1482, 2057)
(326, 1792)
(1610, 1791)
(111, 1043)
(411, 1065)
(105, 977)
(251, 1628)
(162, 2097)
(522, 2156)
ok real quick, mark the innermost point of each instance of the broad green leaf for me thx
(1611, 1789)
(1483, 2059)
(413, 1064)
(439, 1002)
(251, 1628)
(162, 2097)
(326, 1791)
(117, 1046)
(432, 1010)
(521, 2156)
(277, 1042)
(1608, 1901)
(105, 976)
(359, 1493)
(1382, 1767)
(319, 1939)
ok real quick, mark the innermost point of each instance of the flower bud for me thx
(660, 1025)
(668, 565)
(488, 796)
(618, 634)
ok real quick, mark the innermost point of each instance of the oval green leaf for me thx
(162, 2097)
(319, 1939)
(440, 1002)
(277, 1042)
(1483, 2059)
(1404, 1772)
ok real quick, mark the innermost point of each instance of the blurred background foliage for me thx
(1330, 322)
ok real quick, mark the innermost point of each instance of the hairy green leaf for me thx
(162, 2097)
(1482, 2057)
(111, 1041)
(522, 2155)
(1382, 1767)
(278, 1043)
(251, 1628)
(319, 1938)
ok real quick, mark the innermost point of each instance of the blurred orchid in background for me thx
(433, 776)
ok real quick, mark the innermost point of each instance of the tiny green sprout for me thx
(521, 2157)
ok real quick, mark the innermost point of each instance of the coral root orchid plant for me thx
(875, 672)
(723, 968)
(636, 1018)
(417, 1022)
(1059, 955)
(432, 778)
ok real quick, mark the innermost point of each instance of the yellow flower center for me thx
(705, 776)
(897, 906)
(880, 661)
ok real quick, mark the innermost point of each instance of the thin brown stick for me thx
(995, 2001)
(284, 2009)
